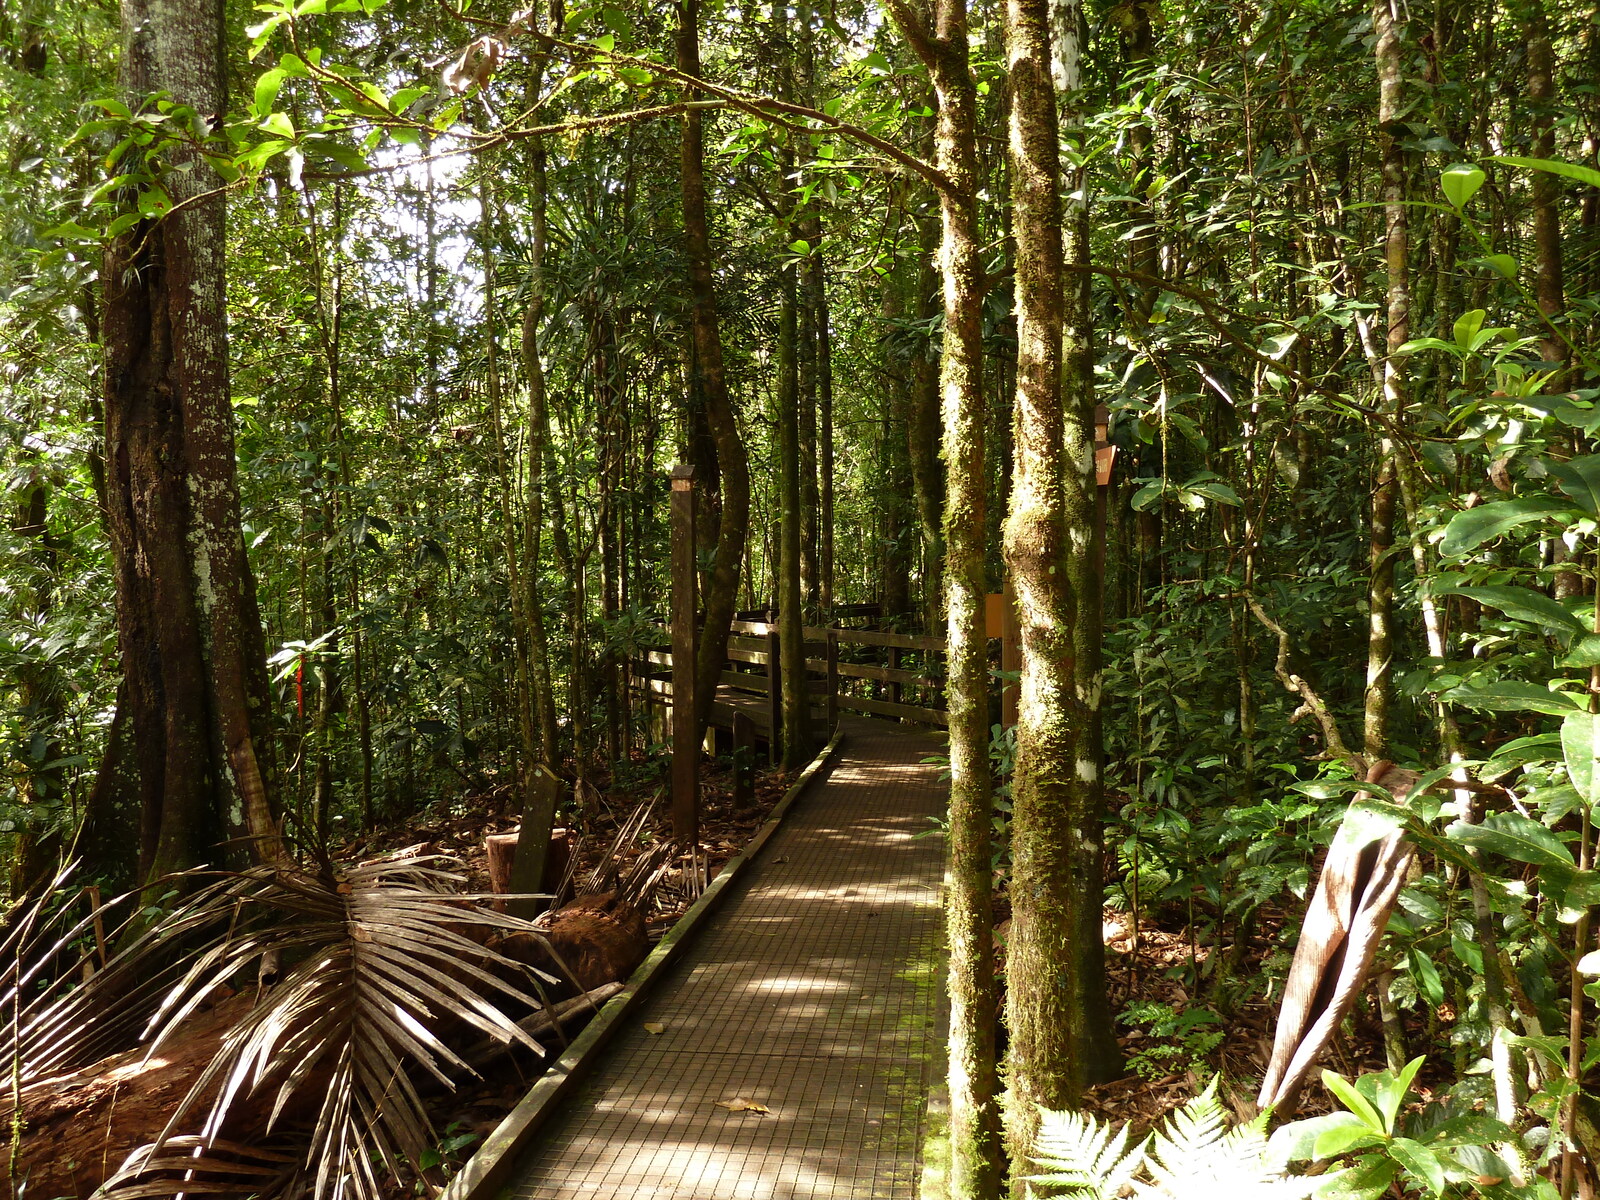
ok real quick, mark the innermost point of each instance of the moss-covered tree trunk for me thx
(939, 37)
(1056, 1013)
(190, 633)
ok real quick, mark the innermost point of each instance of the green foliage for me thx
(1193, 1154)
(1186, 1039)
(1441, 1151)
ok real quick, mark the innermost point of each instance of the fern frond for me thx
(1084, 1155)
(1197, 1157)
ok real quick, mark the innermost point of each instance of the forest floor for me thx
(1176, 1026)
(79, 1128)
(1176, 1034)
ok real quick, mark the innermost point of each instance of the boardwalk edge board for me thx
(487, 1170)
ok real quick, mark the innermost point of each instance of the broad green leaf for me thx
(1215, 489)
(1512, 696)
(1427, 343)
(1342, 1139)
(1459, 182)
(279, 124)
(1580, 479)
(1503, 265)
(1552, 166)
(1467, 326)
(1392, 1090)
(1580, 746)
(1514, 836)
(1584, 653)
(1148, 496)
(1276, 345)
(1575, 891)
(1420, 1162)
(1589, 964)
(1297, 1141)
(154, 202)
(267, 92)
(1369, 820)
(1369, 1179)
(1426, 976)
(1522, 604)
(1346, 1093)
(1470, 529)
(1467, 954)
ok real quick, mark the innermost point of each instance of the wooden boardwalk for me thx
(815, 992)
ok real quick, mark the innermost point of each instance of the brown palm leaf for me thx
(380, 974)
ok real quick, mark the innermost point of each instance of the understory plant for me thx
(1369, 1148)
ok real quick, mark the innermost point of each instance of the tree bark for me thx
(1056, 1012)
(939, 38)
(733, 464)
(544, 704)
(1380, 588)
(190, 634)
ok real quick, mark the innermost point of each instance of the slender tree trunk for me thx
(544, 702)
(922, 443)
(1549, 285)
(190, 634)
(817, 289)
(1056, 1011)
(791, 457)
(977, 1163)
(1387, 48)
(720, 598)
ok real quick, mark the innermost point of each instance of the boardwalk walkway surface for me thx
(815, 991)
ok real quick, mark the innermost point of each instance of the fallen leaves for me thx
(655, 1027)
(743, 1106)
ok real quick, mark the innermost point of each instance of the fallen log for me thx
(563, 1016)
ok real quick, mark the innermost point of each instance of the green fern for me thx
(1194, 1156)
(1084, 1156)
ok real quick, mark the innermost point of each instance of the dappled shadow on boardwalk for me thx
(812, 993)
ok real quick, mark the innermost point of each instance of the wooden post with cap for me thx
(685, 746)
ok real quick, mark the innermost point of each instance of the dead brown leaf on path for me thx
(743, 1106)
(654, 1027)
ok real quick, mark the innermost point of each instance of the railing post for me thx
(685, 746)
(744, 761)
(896, 694)
(832, 703)
(774, 697)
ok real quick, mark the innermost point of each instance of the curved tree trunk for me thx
(190, 633)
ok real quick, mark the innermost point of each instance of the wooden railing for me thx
(899, 676)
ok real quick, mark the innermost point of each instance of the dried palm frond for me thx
(189, 1166)
(605, 875)
(379, 973)
(53, 1019)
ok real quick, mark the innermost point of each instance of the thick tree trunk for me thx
(721, 594)
(976, 1157)
(190, 633)
(1056, 1012)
